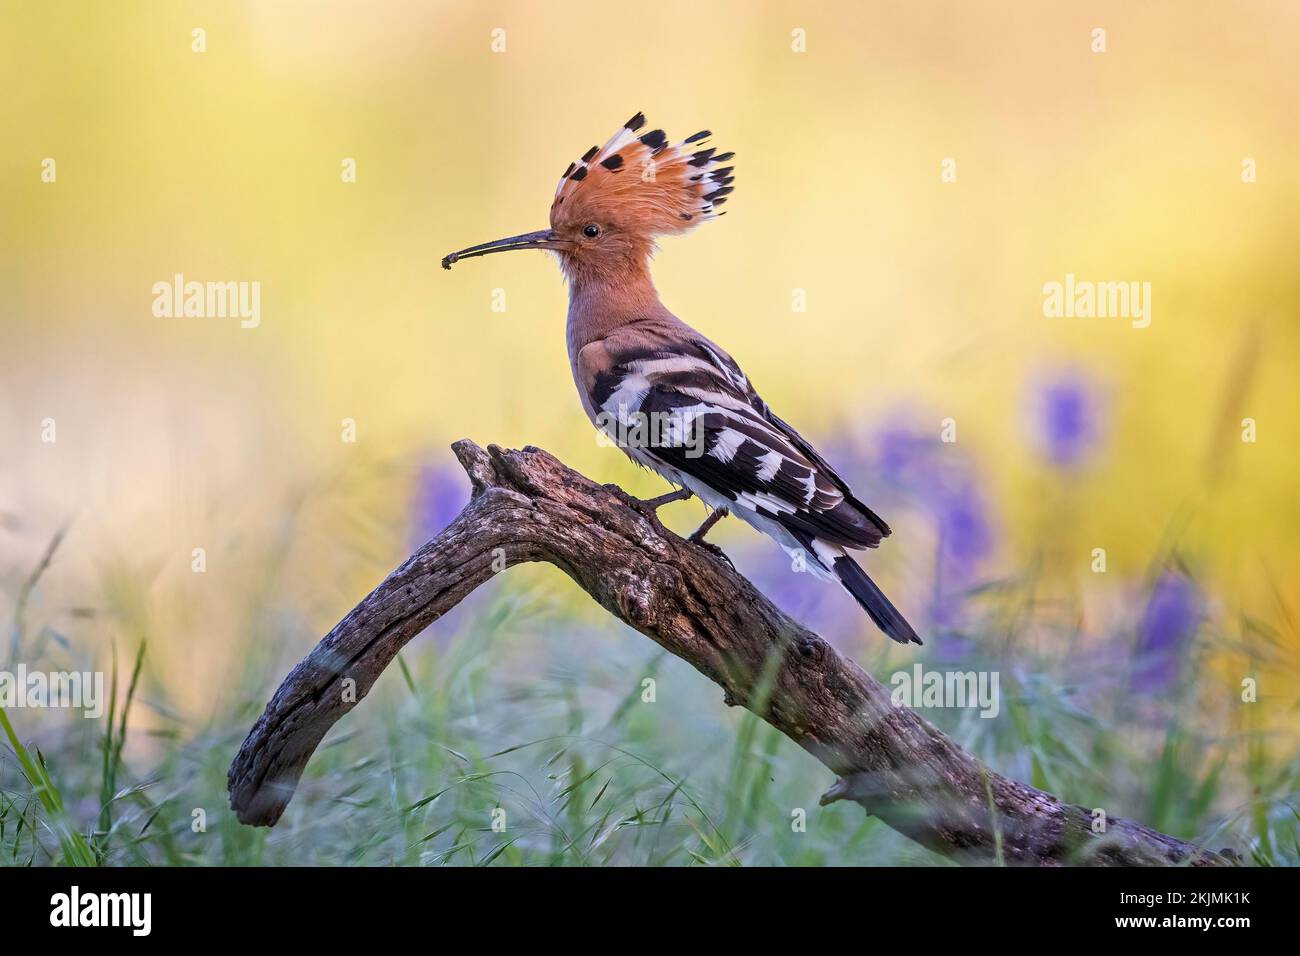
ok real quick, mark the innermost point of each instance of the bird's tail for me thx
(873, 601)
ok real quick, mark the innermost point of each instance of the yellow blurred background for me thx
(924, 296)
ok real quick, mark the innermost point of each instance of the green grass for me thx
(515, 733)
(73, 848)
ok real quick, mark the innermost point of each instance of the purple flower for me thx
(440, 494)
(798, 594)
(913, 467)
(904, 455)
(1067, 418)
(921, 470)
(1173, 614)
(965, 536)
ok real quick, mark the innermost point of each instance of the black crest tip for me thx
(702, 157)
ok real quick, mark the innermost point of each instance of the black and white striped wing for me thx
(727, 439)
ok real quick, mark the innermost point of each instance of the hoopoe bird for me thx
(635, 362)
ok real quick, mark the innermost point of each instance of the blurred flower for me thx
(913, 467)
(440, 494)
(799, 594)
(925, 472)
(1173, 613)
(902, 452)
(965, 539)
(965, 536)
(1067, 418)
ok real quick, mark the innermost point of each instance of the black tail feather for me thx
(873, 601)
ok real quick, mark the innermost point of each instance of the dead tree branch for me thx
(531, 507)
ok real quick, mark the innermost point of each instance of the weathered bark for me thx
(686, 599)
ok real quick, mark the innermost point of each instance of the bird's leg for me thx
(654, 504)
(698, 537)
(649, 506)
(717, 515)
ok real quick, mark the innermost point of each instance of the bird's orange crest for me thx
(644, 185)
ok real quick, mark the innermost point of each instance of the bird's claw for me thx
(644, 508)
(712, 548)
(636, 504)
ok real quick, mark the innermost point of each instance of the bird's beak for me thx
(542, 239)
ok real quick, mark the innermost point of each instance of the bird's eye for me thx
(591, 230)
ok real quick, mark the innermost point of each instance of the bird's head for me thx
(613, 202)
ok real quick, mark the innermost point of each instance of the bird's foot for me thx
(712, 548)
(697, 538)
